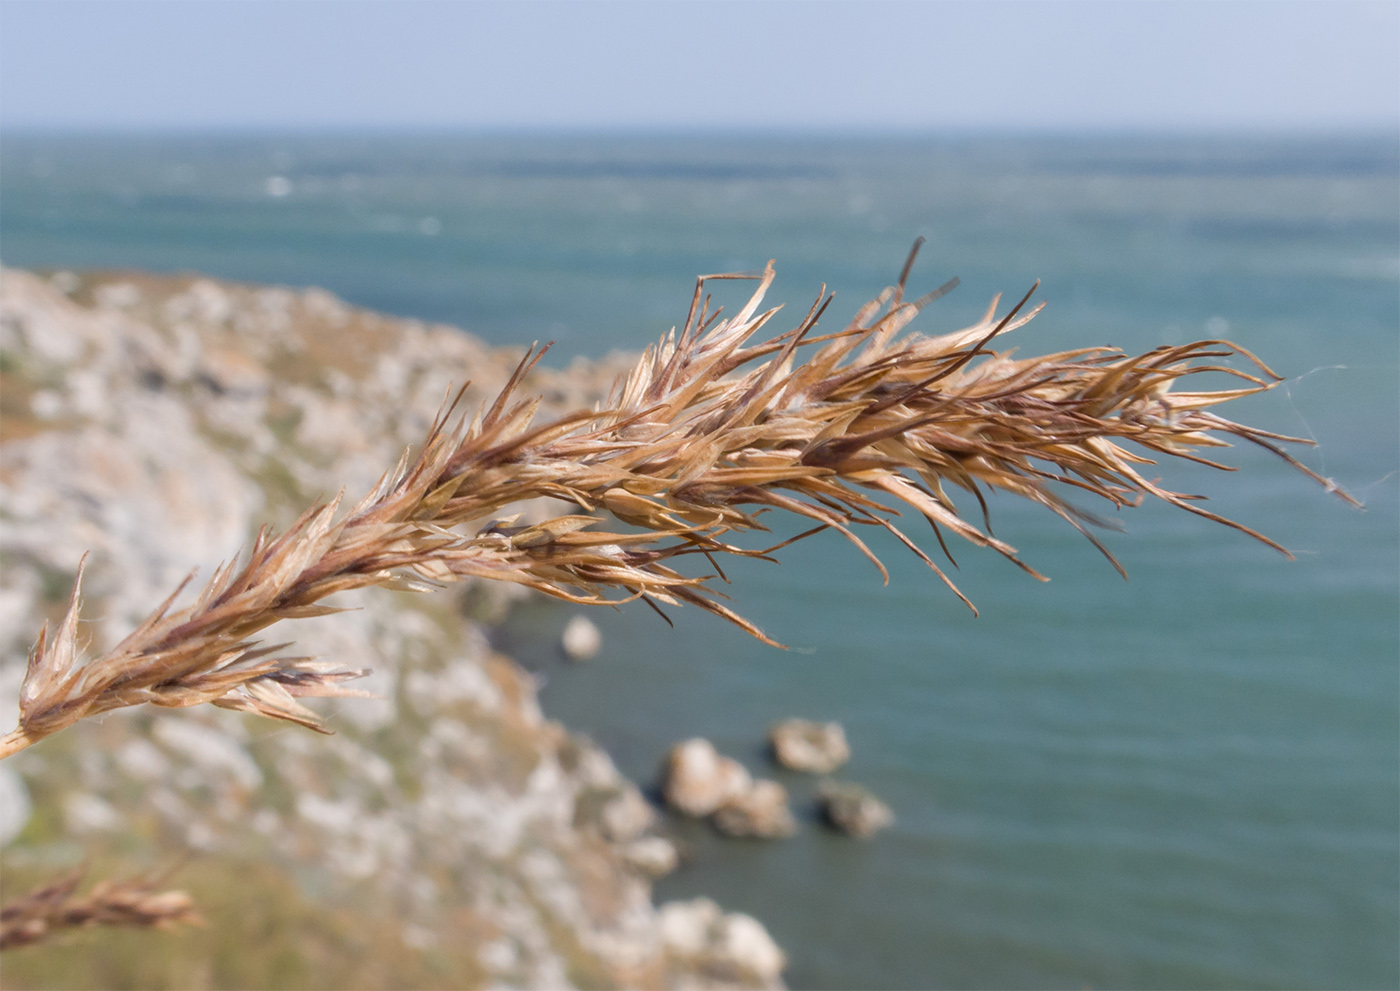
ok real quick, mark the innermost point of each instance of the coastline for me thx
(1090, 791)
(157, 421)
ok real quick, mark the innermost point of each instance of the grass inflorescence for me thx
(708, 431)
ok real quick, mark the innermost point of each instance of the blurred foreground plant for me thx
(707, 432)
(50, 909)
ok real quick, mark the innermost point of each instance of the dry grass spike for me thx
(707, 432)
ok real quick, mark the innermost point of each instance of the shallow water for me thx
(1187, 780)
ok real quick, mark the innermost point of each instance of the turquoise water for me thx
(1191, 779)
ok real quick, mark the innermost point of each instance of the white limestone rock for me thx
(698, 780)
(581, 639)
(853, 810)
(761, 811)
(804, 745)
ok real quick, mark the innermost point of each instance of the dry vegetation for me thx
(286, 940)
(704, 435)
(56, 906)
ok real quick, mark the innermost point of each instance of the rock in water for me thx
(733, 946)
(698, 779)
(852, 809)
(762, 811)
(581, 639)
(803, 745)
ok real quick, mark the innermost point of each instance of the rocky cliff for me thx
(447, 835)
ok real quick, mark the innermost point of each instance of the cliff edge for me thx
(448, 835)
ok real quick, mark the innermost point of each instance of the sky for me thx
(597, 64)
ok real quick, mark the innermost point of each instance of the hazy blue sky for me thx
(709, 64)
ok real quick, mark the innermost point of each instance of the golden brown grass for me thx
(706, 433)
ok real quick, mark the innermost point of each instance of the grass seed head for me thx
(705, 434)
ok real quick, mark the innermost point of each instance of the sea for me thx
(1190, 779)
